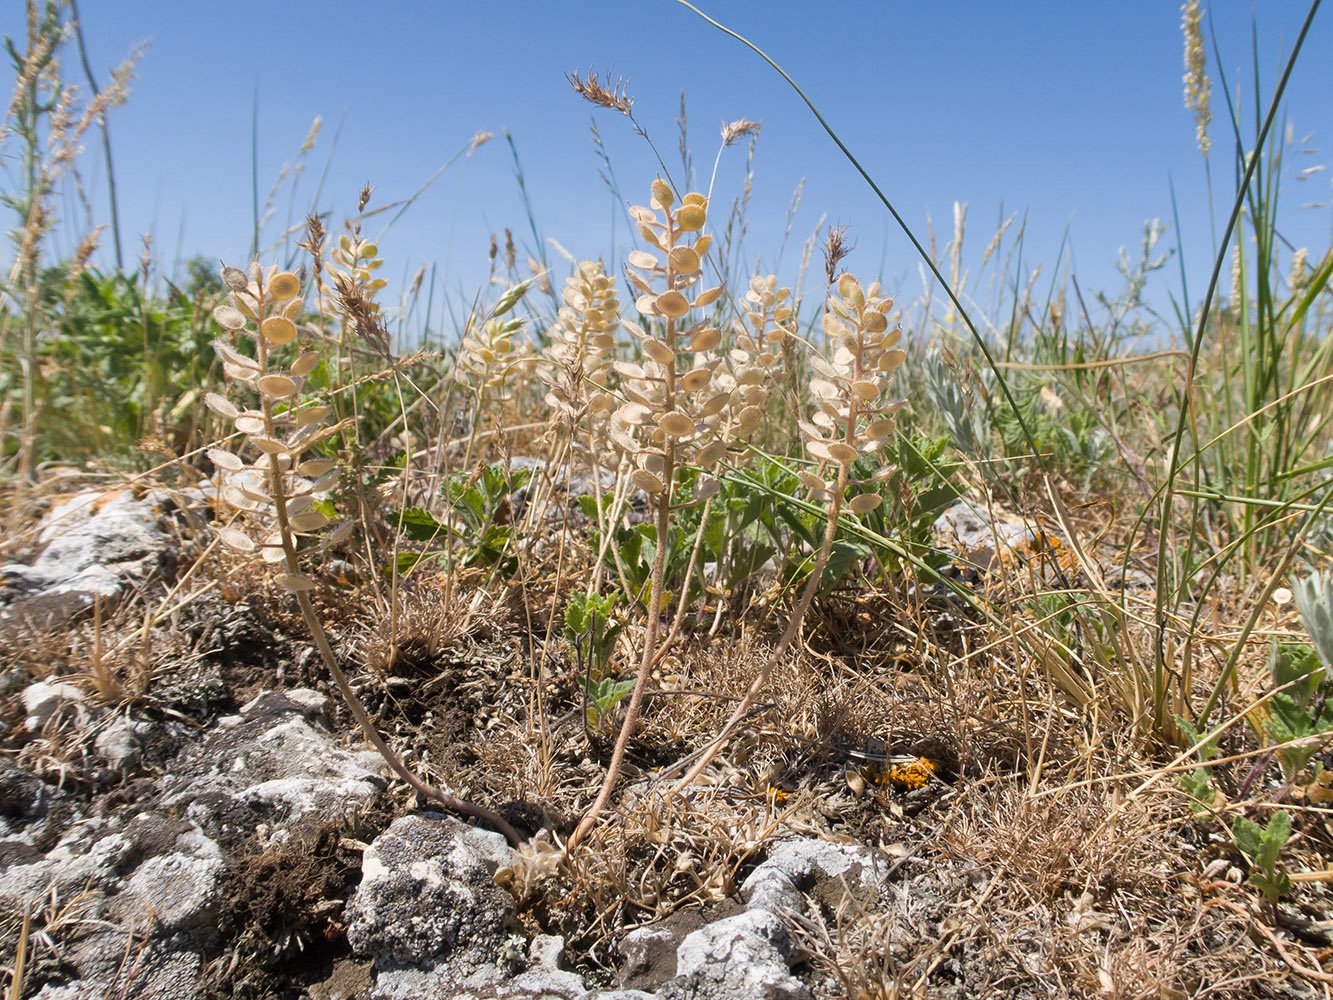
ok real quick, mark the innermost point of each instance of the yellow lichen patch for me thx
(906, 773)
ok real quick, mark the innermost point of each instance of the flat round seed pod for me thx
(706, 339)
(840, 452)
(648, 482)
(229, 317)
(278, 330)
(284, 285)
(659, 352)
(225, 460)
(865, 503)
(683, 260)
(294, 582)
(707, 297)
(276, 386)
(865, 389)
(710, 454)
(235, 538)
(672, 304)
(221, 405)
(310, 521)
(676, 425)
(693, 381)
(310, 415)
(268, 445)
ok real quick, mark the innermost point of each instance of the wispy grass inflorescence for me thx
(1198, 87)
(604, 95)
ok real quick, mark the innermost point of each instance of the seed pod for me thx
(294, 582)
(284, 285)
(235, 538)
(338, 534)
(839, 452)
(235, 279)
(707, 297)
(696, 379)
(316, 467)
(268, 445)
(311, 521)
(221, 405)
(706, 339)
(865, 503)
(672, 304)
(310, 415)
(683, 260)
(677, 425)
(229, 317)
(648, 482)
(248, 423)
(865, 389)
(306, 363)
(279, 330)
(663, 196)
(659, 352)
(225, 460)
(691, 218)
(277, 386)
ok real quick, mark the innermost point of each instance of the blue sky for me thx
(1069, 114)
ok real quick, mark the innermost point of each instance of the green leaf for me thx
(419, 525)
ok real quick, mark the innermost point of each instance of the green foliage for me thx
(1314, 599)
(1296, 712)
(603, 697)
(589, 633)
(1198, 784)
(1263, 846)
(475, 503)
(591, 638)
(920, 488)
(118, 365)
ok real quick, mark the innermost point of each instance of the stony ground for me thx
(185, 813)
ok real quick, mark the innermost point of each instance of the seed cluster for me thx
(276, 495)
(852, 415)
(675, 406)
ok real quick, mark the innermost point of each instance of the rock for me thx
(41, 700)
(742, 957)
(174, 894)
(544, 976)
(970, 527)
(121, 743)
(645, 951)
(23, 796)
(314, 705)
(95, 544)
(157, 973)
(426, 895)
(809, 866)
(271, 765)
